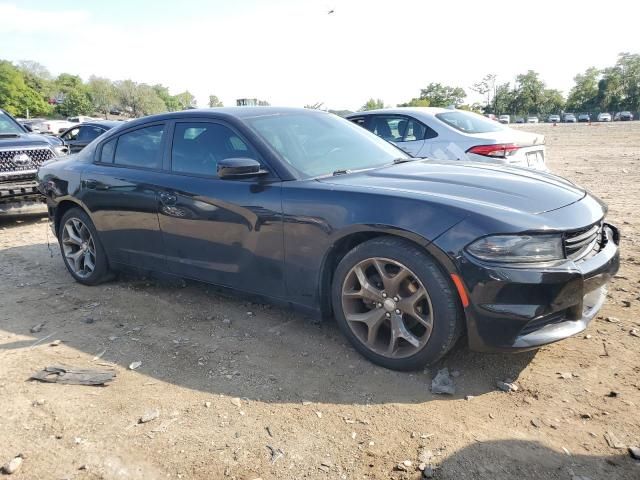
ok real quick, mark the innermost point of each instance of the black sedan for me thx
(81, 135)
(312, 211)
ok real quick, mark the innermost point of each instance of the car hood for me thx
(510, 135)
(469, 185)
(27, 140)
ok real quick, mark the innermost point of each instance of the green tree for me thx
(552, 102)
(37, 77)
(76, 102)
(415, 102)
(186, 100)
(16, 96)
(372, 104)
(170, 101)
(440, 95)
(504, 100)
(529, 92)
(102, 94)
(215, 102)
(149, 101)
(583, 96)
(486, 87)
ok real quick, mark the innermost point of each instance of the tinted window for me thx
(140, 148)
(469, 122)
(197, 147)
(71, 134)
(88, 133)
(400, 129)
(106, 154)
(7, 125)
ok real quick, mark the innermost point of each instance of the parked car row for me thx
(569, 118)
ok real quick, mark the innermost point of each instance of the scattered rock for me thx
(612, 394)
(442, 383)
(13, 465)
(612, 319)
(319, 414)
(37, 328)
(112, 338)
(401, 467)
(276, 453)
(634, 452)
(39, 402)
(588, 336)
(586, 416)
(536, 422)
(455, 373)
(634, 332)
(565, 375)
(613, 440)
(236, 401)
(207, 404)
(134, 365)
(507, 386)
(469, 397)
(227, 322)
(626, 303)
(55, 343)
(89, 320)
(428, 472)
(425, 456)
(149, 416)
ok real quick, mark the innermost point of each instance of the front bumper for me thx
(21, 198)
(523, 308)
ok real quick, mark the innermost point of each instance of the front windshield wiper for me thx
(341, 172)
(404, 160)
(9, 135)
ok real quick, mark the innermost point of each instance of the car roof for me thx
(102, 123)
(426, 111)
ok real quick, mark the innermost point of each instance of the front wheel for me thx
(81, 249)
(395, 305)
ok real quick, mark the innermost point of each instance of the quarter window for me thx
(197, 147)
(140, 148)
(106, 154)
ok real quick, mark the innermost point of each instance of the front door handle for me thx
(168, 199)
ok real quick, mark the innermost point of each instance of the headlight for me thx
(60, 150)
(518, 248)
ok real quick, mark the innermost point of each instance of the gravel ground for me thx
(248, 391)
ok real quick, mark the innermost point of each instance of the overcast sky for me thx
(294, 52)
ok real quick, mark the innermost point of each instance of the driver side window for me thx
(71, 134)
(198, 146)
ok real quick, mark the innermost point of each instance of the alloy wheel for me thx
(387, 307)
(79, 247)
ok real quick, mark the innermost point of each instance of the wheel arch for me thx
(353, 237)
(63, 207)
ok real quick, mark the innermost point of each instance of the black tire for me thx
(445, 303)
(101, 272)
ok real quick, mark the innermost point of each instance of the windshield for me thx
(321, 144)
(8, 126)
(469, 122)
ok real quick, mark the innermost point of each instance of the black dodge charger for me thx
(314, 212)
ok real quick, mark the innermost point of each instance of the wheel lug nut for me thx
(384, 295)
(379, 305)
(388, 315)
(396, 299)
(398, 312)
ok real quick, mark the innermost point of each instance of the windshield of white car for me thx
(8, 126)
(321, 144)
(469, 122)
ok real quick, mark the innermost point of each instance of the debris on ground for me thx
(73, 376)
(236, 401)
(507, 386)
(55, 343)
(634, 452)
(37, 328)
(276, 453)
(149, 415)
(134, 365)
(634, 332)
(442, 383)
(565, 375)
(13, 465)
(613, 440)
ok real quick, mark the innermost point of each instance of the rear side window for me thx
(399, 129)
(88, 133)
(198, 146)
(106, 154)
(140, 148)
(468, 122)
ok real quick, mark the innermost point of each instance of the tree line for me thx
(611, 89)
(28, 88)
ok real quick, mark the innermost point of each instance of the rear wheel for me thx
(395, 305)
(81, 249)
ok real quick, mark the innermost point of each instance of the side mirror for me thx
(239, 168)
(27, 127)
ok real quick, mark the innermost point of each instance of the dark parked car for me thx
(310, 210)
(21, 153)
(584, 117)
(79, 136)
(623, 116)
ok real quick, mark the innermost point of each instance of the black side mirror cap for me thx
(239, 168)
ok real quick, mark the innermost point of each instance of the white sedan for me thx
(447, 134)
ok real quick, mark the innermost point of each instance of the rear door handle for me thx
(168, 199)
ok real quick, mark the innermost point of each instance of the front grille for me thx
(582, 242)
(16, 161)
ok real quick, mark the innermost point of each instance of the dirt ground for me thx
(247, 391)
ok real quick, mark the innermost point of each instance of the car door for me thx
(403, 131)
(121, 192)
(227, 232)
